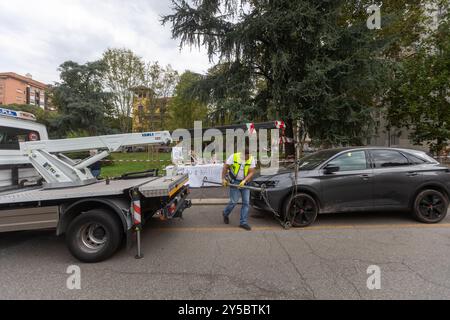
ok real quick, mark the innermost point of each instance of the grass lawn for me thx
(117, 169)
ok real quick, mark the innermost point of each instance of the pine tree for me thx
(293, 59)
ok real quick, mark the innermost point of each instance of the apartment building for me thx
(17, 89)
(150, 113)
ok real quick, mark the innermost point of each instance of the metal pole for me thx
(205, 181)
(139, 254)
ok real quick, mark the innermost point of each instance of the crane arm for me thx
(111, 143)
(59, 171)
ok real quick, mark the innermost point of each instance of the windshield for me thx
(314, 160)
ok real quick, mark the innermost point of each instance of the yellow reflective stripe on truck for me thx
(178, 187)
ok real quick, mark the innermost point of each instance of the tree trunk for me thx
(290, 147)
(440, 146)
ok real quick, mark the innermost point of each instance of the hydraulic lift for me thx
(94, 214)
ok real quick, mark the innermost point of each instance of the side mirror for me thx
(330, 169)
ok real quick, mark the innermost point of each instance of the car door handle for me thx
(365, 177)
(412, 174)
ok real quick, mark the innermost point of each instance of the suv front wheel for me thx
(301, 209)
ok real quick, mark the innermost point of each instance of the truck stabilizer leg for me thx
(139, 254)
(137, 219)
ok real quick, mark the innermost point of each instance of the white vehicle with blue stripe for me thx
(42, 188)
(17, 127)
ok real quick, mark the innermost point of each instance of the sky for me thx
(38, 36)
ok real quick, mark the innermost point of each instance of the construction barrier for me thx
(134, 161)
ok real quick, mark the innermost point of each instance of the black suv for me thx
(358, 179)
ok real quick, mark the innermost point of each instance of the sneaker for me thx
(226, 220)
(246, 227)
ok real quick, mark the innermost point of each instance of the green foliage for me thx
(297, 60)
(420, 95)
(183, 107)
(117, 168)
(81, 100)
(162, 82)
(402, 25)
(77, 134)
(124, 71)
(228, 89)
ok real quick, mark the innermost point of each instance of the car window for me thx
(350, 161)
(312, 161)
(415, 159)
(11, 137)
(388, 159)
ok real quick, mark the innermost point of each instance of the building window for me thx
(37, 99)
(28, 95)
(140, 112)
(395, 140)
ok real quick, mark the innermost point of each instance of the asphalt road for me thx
(200, 258)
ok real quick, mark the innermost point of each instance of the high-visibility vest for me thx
(237, 165)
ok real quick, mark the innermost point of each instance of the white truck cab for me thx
(41, 188)
(17, 127)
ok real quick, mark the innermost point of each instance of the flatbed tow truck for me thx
(94, 215)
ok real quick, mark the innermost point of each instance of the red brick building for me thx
(17, 89)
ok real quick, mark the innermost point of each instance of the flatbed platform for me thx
(149, 187)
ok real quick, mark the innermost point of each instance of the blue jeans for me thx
(96, 173)
(235, 194)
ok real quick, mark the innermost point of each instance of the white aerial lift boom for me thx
(94, 215)
(60, 171)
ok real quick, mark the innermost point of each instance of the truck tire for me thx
(94, 236)
(430, 206)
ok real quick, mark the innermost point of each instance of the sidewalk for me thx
(209, 196)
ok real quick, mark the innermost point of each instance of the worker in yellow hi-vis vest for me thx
(241, 169)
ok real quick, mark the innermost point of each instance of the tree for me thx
(184, 109)
(124, 71)
(162, 81)
(420, 95)
(300, 60)
(403, 22)
(232, 96)
(81, 101)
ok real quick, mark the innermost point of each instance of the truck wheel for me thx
(94, 236)
(430, 206)
(303, 208)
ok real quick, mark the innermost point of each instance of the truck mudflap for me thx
(176, 206)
